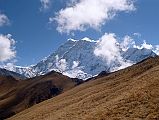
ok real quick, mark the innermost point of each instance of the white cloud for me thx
(3, 20)
(108, 47)
(83, 14)
(144, 45)
(45, 4)
(7, 49)
(147, 46)
(127, 43)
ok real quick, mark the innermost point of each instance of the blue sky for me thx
(36, 37)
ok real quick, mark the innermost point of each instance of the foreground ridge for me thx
(17, 95)
(128, 94)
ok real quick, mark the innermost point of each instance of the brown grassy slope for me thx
(17, 95)
(129, 94)
(6, 83)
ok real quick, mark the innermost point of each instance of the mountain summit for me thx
(76, 59)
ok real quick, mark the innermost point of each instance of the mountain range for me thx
(76, 59)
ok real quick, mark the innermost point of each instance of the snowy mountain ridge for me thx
(76, 59)
(4, 72)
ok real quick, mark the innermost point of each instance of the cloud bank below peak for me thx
(83, 14)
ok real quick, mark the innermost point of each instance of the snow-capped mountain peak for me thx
(4, 72)
(76, 59)
(88, 39)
